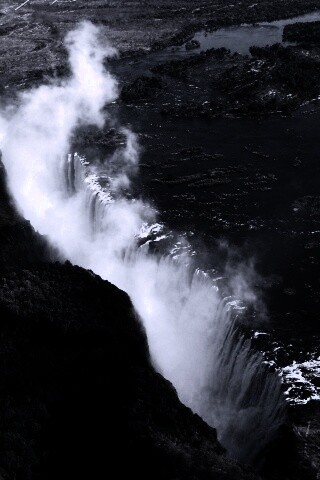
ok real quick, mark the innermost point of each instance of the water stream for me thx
(239, 39)
(87, 209)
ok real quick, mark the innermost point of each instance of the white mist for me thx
(190, 328)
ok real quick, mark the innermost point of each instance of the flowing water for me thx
(88, 210)
(239, 39)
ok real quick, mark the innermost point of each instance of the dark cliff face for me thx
(79, 397)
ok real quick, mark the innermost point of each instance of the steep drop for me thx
(87, 210)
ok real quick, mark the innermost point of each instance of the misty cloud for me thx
(191, 334)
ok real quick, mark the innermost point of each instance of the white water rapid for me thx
(86, 210)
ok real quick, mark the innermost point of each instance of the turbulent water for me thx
(86, 208)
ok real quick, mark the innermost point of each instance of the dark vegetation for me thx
(185, 69)
(274, 80)
(192, 45)
(78, 394)
(308, 33)
(79, 397)
(143, 88)
(31, 46)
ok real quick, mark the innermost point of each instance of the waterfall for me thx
(192, 332)
(86, 209)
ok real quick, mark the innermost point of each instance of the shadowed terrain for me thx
(229, 156)
(78, 395)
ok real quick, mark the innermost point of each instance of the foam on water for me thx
(87, 210)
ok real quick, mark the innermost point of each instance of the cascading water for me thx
(86, 210)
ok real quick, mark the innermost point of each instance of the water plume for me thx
(87, 211)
